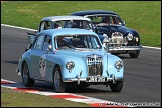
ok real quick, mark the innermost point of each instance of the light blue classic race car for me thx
(70, 56)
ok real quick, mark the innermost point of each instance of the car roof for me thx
(67, 31)
(91, 12)
(56, 18)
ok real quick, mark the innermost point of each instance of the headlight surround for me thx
(118, 64)
(130, 37)
(70, 65)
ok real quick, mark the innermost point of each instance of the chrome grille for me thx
(95, 66)
(117, 39)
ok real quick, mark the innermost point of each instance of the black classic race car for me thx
(113, 32)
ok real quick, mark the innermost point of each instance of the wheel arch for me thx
(22, 64)
(57, 65)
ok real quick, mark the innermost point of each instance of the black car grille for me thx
(95, 66)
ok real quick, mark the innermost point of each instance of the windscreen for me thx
(78, 41)
(82, 24)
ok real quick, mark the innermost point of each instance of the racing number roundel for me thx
(42, 66)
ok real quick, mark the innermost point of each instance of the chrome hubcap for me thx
(57, 80)
(25, 74)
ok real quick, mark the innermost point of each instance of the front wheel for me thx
(117, 87)
(135, 55)
(59, 85)
(28, 82)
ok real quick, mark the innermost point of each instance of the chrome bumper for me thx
(113, 79)
(125, 48)
(18, 68)
(18, 71)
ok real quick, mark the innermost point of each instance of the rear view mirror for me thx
(124, 22)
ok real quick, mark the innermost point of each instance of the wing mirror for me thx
(50, 47)
(106, 44)
(124, 22)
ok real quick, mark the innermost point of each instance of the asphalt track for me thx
(142, 81)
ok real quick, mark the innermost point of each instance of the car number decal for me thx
(42, 66)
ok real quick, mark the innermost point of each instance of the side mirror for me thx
(35, 32)
(106, 44)
(124, 22)
(50, 47)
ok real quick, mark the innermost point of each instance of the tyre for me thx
(117, 87)
(28, 82)
(59, 85)
(134, 55)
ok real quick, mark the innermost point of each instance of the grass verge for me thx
(143, 16)
(13, 98)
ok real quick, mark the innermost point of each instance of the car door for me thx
(44, 59)
(35, 55)
(46, 63)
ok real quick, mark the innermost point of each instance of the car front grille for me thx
(95, 66)
(117, 39)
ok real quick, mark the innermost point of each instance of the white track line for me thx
(36, 30)
(70, 96)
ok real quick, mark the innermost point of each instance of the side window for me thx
(86, 25)
(111, 20)
(47, 41)
(41, 27)
(116, 20)
(44, 25)
(96, 20)
(38, 43)
(47, 25)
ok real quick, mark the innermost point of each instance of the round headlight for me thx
(118, 64)
(70, 65)
(130, 37)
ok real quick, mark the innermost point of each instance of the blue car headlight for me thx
(118, 64)
(70, 65)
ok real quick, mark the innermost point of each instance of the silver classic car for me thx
(58, 22)
(55, 22)
(70, 56)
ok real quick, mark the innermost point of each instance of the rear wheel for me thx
(117, 87)
(28, 82)
(59, 85)
(135, 55)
